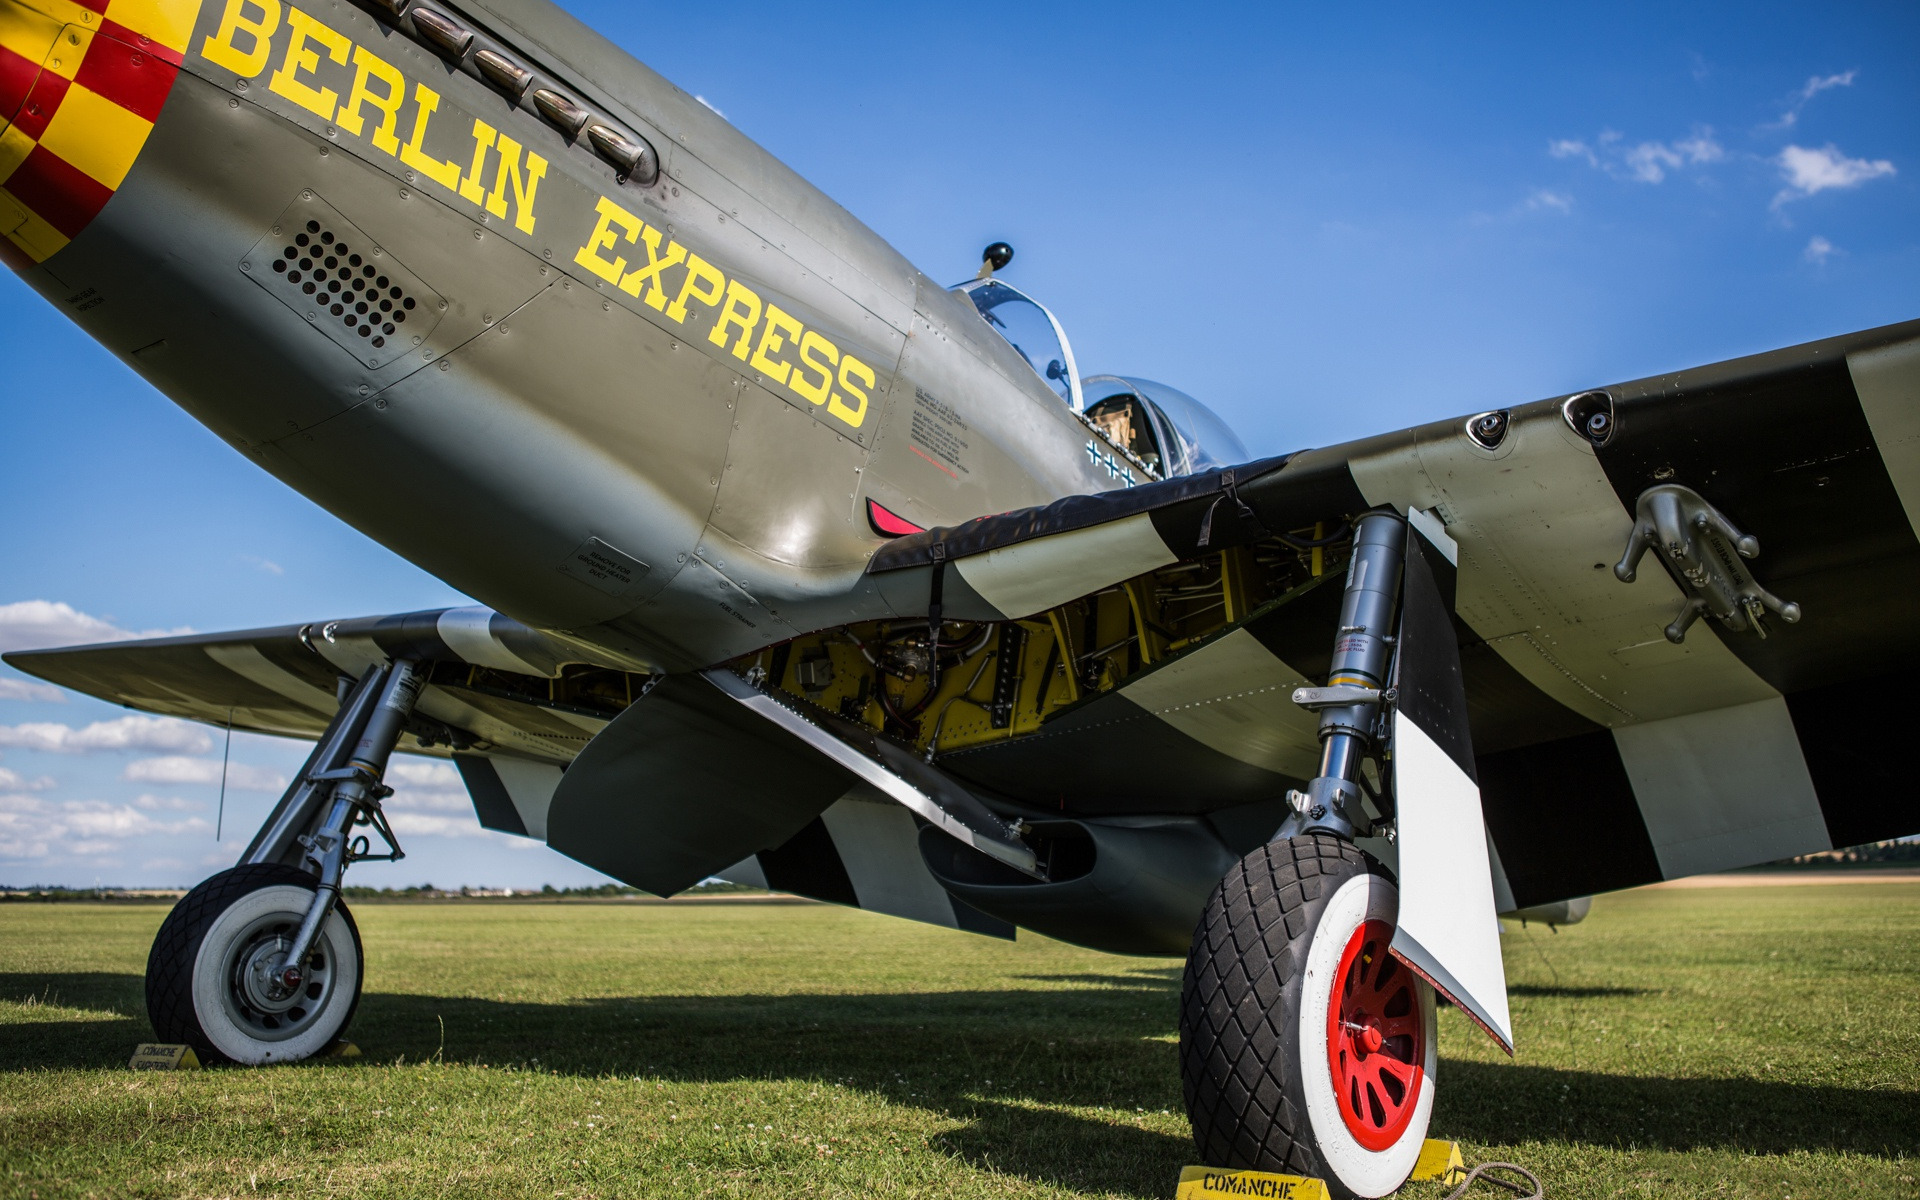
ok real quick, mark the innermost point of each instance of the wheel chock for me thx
(1218, 1183)
(163, 1056)
(340, 1049)
(1440, 1160)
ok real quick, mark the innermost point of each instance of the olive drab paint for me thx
(740, 309)
(643, 417)
(361, 94)
(708, 374)
(245, 42)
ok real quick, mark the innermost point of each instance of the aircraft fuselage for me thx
(650, 414)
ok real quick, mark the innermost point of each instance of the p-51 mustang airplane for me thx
(807, 571)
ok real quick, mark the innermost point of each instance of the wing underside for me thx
(1131, 656)
(495, 685)
(1608, 754)
(514, 708)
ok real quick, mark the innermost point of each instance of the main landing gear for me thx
(262, 963)
(1305, 1047)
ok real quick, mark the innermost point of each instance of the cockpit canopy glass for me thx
(1030, 329)
(1162, 426)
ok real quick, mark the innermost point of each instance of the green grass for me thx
(1735, 1042)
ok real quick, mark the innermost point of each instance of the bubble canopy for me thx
(1163, 427)
(1170, 430)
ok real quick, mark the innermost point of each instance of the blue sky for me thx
(1323, 221)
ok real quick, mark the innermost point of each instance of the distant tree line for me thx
(1900, 852)
(1904, 850)
(426, 891)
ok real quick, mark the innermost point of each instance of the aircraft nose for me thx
(81, 84)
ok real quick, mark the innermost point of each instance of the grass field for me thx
(1726, 1042)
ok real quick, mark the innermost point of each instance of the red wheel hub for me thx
(1376, 1039)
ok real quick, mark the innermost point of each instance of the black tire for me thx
(184, 973)
(1260, 1090)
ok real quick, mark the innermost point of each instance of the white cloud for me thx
(1642, 162)
(20, 843)
(424, 825)
(1819, 250)
(712, 107)
(263, 564)
(1649, 162)
(26, 689)
(1573, 148)
(1544, 198)
(423, 774)
(13, 781)
(31, 828)
(1701, 148)
(126, 733)
(411, 799)
(1820, 83)
(32, 624)
(98, 819)
(168, 803)
(427, 785)
(1814, 86)
(175, 768)
(1808, 172)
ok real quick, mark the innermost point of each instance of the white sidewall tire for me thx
(231, 1038)
(1360, 1170)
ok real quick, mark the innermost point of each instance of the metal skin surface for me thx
(642, 421)
(548, 406)
(642, 417)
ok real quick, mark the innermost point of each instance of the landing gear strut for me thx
(1305, 1047)
(1351, 704)
(262, 963)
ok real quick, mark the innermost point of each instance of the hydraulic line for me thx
(1315, 543)
(1358, 680)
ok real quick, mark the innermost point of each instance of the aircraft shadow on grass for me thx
(1558, 992)
(992, 1059)
(1147, 979)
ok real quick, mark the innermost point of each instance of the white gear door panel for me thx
(1448, 930)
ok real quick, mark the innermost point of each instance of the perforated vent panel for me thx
(323, 267)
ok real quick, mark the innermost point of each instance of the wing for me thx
(1609, 755)
(1148, 642)
(514, 708)
(495, 685)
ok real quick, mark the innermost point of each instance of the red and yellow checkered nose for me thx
(81, 83)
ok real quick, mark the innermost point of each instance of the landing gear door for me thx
(1447, 931)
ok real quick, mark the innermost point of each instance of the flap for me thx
(925, 790)
(707, 770)
(685, 783)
